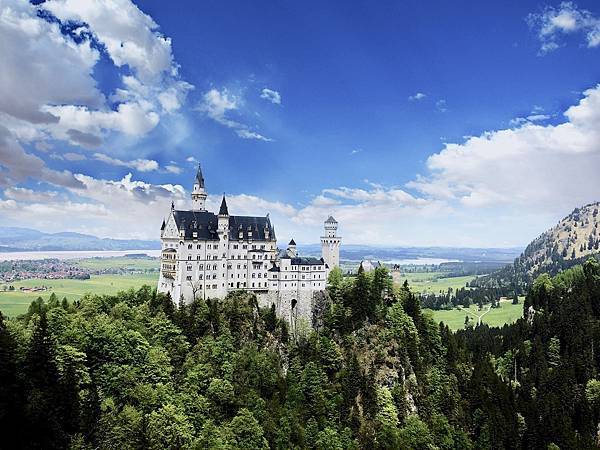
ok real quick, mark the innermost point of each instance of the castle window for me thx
(189, 278)
(189, 268)
(244, 247)
(189, 257)
(200, 276)
(252, 284)
(189, 246)
(198, 247)
(262, 247)
(253, 275)
(198, 258)
(201, 266)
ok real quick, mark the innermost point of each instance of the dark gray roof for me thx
(292, 242)
(199, 177)
(223, 211)
(307, 261)
(330, 219)
(205, 224)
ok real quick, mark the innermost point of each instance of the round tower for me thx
(198, 192)
(330, 244)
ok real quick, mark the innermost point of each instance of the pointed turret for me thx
(198, 192)
(223, 211)
(291, 250)
(199, 177)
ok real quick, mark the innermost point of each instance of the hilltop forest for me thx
(131, 371)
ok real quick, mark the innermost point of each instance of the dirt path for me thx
(478, 317)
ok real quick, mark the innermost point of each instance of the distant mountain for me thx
(14, 239)
(359, 252)
(573, 240)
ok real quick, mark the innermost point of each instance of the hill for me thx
(13, 239)
(570, 242)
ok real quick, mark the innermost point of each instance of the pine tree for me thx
(44, 406)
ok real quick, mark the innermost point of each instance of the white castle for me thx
(206, 255)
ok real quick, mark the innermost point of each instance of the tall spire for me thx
(198, 192)
(199, 177)
(223, 211)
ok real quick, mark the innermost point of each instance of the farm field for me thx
(13, 303)
(434, 282)
(118, 263)
(495, 317)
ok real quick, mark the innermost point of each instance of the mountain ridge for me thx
(574, 239)
(16, 239)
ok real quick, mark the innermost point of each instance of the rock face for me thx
(574, 237)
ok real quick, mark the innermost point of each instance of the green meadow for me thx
(495, 317)
(14, 303)
(118, 263)
(434, 282)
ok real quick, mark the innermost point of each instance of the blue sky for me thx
(415, 123)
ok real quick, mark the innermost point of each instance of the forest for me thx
(132, 371)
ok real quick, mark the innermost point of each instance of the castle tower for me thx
(330, 244)
(223, 217)
(199, 193)
(291, 250)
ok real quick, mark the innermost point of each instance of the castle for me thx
(206, 255)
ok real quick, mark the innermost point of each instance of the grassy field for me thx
(13, 303)
(118, 263)
(496, 317)
(431, 281)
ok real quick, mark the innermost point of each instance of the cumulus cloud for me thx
(143, 165)
(47, 86)
(417, 96)
(218, 104)
(541, 168)
(271, 95)
(171, 168)
(553, 23)
(16, 165)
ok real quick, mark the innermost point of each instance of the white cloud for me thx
(217, 104)
(173, 169)
(533, 117)
(130, 36)
(47, 86)
(271, 95)
(417, 96)
(29, 195)
(552, 23)
(143, 165)
(441, 105)
(549, 168)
